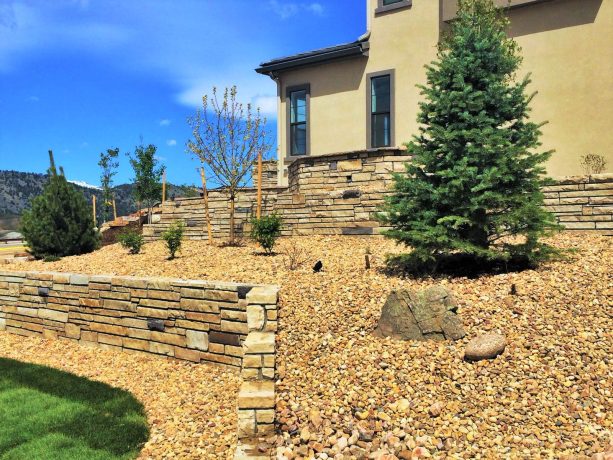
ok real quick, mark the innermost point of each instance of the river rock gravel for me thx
(343, 393)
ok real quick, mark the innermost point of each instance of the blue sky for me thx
(81, 76)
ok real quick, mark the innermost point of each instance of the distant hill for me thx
(18, 188)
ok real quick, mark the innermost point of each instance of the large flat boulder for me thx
(430, 314)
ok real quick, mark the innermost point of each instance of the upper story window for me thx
(381, 109)
(389, 5)
(298, 120)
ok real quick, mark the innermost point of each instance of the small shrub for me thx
(173, 237)
(265, 231)
(51, 258)
(294, 256)
(593, 163)
(131, 240)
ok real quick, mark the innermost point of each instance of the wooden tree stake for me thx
(94, 209)
(206, 205)
(114, 210)
(259, 199)
(164, 187)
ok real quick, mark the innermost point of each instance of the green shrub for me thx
(59, 221)
(173, 237)
(265, 231)
(131, 240)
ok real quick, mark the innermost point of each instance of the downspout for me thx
(366, 35)
(277, 80)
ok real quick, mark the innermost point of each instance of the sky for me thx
(81, 76)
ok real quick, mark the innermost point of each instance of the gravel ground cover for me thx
(342, 393)
(191, 409)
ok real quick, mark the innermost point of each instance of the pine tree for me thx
(59, 222)
(474, 183)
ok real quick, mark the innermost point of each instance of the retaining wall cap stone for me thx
(263, 295)
(259, 342)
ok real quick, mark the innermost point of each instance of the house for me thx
(362, 95)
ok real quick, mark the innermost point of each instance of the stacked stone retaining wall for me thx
(583, 203)
(223, 323)
(326, 195)
(341, 193)
(199, 321)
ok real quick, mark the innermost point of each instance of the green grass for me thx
(50, 414)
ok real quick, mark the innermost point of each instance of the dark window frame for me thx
(288, 102)
(381, 8)
(369, 77)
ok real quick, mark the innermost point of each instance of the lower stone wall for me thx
(223, 323)
(341, 193)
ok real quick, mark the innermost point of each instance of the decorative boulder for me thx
(425, 315)
(486, 346)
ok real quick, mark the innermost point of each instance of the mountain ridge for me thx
(18, 188)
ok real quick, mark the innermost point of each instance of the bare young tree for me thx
(228, 137)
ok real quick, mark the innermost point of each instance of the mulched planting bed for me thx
(191, 409)
(339, 389)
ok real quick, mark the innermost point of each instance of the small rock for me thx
(486, 346)
(436, 409)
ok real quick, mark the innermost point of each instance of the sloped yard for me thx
(340, 389)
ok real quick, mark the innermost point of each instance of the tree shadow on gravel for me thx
(453, 266)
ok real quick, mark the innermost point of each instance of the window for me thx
(380, 109)
(389, 5)
(298, 120)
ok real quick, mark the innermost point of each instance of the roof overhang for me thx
(321, 56)
(450, 7)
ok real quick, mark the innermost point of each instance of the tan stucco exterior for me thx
(567, 47)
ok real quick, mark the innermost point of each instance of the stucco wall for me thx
(566, 46)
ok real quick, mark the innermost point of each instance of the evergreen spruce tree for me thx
(59, 222)
(476, 175)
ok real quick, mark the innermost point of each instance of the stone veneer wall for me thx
(223, 323)
(340, 194)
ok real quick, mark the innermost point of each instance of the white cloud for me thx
(171, 142)
(164, 122)
(84, 144)
(315, 8)
(288, 9)
(32, 99)
(266, 104)
(252, 89)
(26, 29)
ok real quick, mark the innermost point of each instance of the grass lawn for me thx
(50, 414)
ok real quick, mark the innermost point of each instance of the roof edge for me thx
(353, 49)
